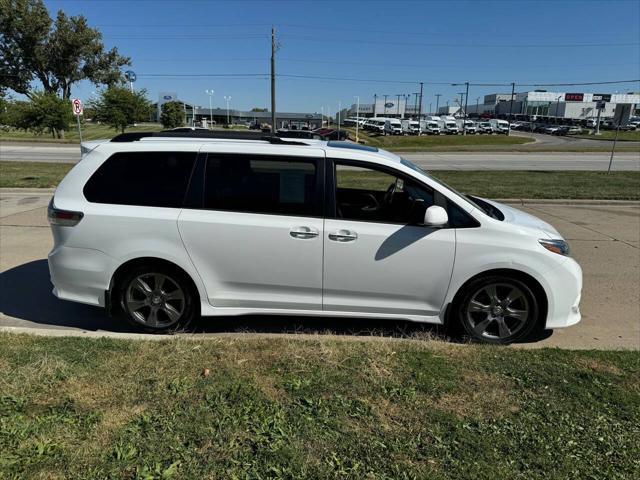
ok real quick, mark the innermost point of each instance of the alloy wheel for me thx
(155, 300)
(498, 311)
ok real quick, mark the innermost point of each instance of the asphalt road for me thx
(430, 161)
(605, 239)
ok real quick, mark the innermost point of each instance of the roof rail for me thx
(199, 134)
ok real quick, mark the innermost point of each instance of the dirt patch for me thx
(599, 366)
(483, 396)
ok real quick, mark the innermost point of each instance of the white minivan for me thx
(169, 226)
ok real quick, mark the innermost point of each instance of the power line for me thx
(466, 45)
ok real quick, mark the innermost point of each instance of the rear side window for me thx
(262, 184)
(152, 179)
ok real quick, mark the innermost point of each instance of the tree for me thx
(44, 111)
(172, 115)
(257, 109)
(119, 107)
(58, 54)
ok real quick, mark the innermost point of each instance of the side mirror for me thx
(435, 216)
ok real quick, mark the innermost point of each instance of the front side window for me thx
(374, 195)
(262, 184)
(153, 179)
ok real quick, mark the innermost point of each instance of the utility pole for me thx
(438, 95)
(466, 102)
(478, 106)
(273, 80)
(357, 117)
(558, 108)
(398, 106)
(385, 104)
(513, 90)
(338, 116)
(375, 100)
(420, 104)
(321, 117)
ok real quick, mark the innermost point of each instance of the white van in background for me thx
(448, 125)
(499, 126)
(410, 127)
(430, 127)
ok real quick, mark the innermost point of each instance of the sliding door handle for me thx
(303, 232)
(343, 236)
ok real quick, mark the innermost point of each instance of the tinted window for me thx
(154, 179)
(374, 195)
(269, 184)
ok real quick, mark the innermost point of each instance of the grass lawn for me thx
(82, 408)
(520, 184)
(430, 142)
(90, 131)
(610, 135)
(486, 183)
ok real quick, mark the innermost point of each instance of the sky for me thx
(362, 48)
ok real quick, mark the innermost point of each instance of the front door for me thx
(377, 258)
(256, 239)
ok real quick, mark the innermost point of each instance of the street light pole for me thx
(375, 100)
(557, 107)
(357, 117)
(385, 104)
(513, 91)
(227, 99)
(437, 95)
(210, 93)
(464, 118)
(321, 117)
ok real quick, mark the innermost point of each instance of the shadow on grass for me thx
(25, 295)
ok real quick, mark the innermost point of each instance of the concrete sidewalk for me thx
(604, 237)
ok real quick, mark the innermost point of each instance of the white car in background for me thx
(169, 226)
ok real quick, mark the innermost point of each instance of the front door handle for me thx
(303, 232)
(343, 236)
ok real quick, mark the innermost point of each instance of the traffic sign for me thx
(130, 75)
(77, 106)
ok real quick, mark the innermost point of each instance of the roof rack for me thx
(199, 134)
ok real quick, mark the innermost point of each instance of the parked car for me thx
(499, 126)
(568, 130)
(168, 229)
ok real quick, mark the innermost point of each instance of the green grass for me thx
(90, 131)
(489, 183)
(78, 408)
(430, 142)
(32, 174)
(633, 136)
(518, 184)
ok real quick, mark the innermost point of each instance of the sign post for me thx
(78, 109)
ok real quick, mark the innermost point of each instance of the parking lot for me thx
(605, 239)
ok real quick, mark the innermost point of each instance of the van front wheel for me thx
(497, 309)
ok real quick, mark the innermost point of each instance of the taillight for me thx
(65, 218)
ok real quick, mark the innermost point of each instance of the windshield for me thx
(476, 202)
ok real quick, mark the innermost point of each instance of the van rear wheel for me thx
(497, 309)
(157, 299)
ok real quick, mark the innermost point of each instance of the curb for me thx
(568, 201)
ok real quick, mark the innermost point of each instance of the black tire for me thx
(175, 293)
(488, 320)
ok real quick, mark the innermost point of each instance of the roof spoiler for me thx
(197, 134)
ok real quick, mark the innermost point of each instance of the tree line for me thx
(42, 58)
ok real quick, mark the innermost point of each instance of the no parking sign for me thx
(77, 106)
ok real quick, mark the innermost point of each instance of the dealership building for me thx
(575, 105)
(392, 108)
(196, 115)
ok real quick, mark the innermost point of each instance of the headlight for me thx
(556, 246)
